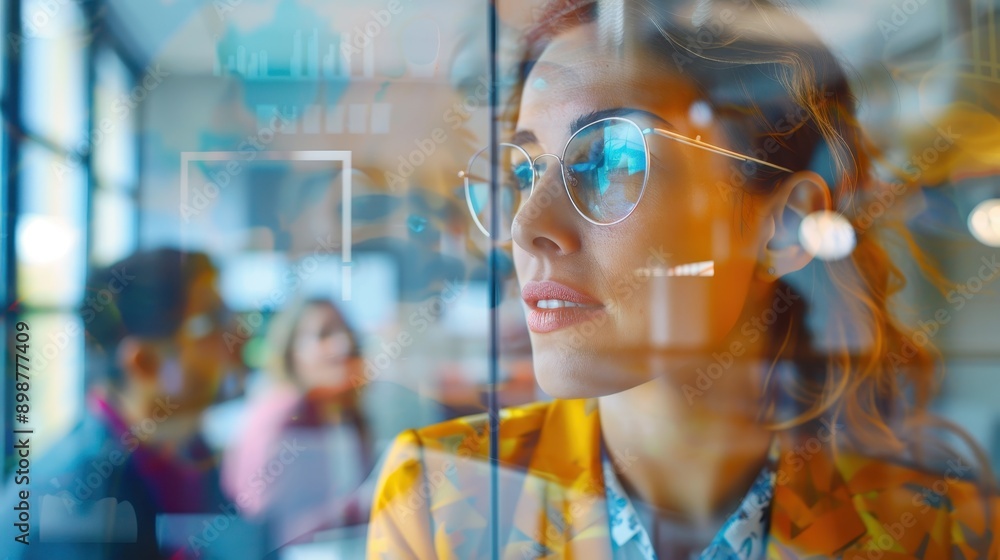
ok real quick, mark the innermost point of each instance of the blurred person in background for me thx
(306, 447)
(663, 160)
(154, 324)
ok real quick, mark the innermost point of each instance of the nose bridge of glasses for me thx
(539, 170)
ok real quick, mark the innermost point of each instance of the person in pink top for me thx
(305, 448)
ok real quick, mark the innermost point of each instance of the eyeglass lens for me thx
(604, 172)
(605, 169)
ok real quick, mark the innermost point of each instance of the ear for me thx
(801, 194)
(138, 360)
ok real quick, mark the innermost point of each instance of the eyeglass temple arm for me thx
(697, 142)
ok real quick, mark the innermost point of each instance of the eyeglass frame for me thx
(696, 142)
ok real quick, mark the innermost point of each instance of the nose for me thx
(546, 224)
(335, 344)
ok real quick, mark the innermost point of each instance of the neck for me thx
(157, 421)
(692, 456)
(332, 405)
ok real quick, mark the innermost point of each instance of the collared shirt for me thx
(824, 510)
(742, 536)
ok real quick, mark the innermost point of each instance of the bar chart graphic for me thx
(336, 58)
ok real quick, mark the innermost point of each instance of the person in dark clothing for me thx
(115, 486)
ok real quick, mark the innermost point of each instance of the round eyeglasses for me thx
(605, 169)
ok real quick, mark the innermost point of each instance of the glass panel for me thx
(114, 226)
(114, 123)
(51, 232)
(53, 47)
(4, 49)
(774, 310)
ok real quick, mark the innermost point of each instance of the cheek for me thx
(692, 228)
(679, 313)
(304, 354)
(678, 216)
(521, 259)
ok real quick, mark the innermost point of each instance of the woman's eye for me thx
(586, 156)
(523, 174)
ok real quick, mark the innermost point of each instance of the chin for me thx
(582, 374)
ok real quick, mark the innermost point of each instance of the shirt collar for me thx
(742, 536)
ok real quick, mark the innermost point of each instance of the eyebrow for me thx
(614, 112)
(524, 136)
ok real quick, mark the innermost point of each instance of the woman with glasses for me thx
(681, 187)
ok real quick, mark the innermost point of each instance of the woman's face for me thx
(321, 348)
(634, 324)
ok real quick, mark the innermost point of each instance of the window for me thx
(50, 176)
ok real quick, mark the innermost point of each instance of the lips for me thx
(553, 306)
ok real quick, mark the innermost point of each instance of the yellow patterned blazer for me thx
(433, 498)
